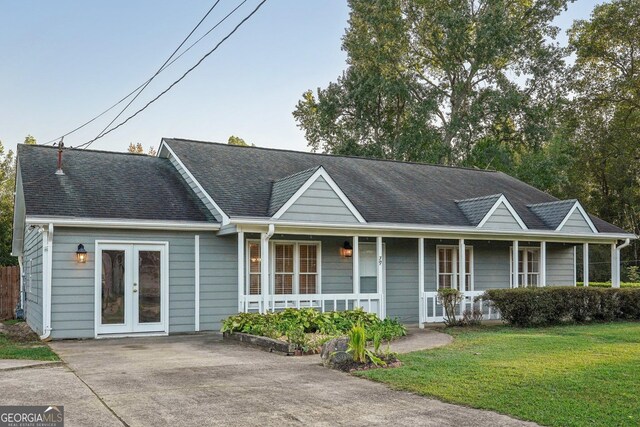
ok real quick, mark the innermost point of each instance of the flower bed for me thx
(306, 330)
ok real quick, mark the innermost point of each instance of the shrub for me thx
(309, 320)
(552, 305)
(357, 347)
(450, 298)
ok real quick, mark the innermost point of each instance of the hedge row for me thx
(553, 305)
(608, 284)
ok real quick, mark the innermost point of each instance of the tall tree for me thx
(7, 186)
(429, 79)
(139, 149)
(236, 140)
(605, 112)
(30, 140)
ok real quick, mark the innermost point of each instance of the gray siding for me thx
(576, 224)
(218, 280)
(73, 288)
(196, 189)
(32, 267)
(560, 266)
(501, 219)
(491, 264)
(402, 279)
(321, 204)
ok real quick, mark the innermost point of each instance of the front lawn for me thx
(587, 375)
(18, 342)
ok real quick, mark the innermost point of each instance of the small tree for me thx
(450, 299)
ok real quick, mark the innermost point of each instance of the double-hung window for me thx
(255, 266)
(528, 267)
(448, 268)
(294, 267)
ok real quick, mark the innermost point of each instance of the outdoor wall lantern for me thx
(346, 250)
(81, 254)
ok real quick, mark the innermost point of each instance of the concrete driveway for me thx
(199, 380)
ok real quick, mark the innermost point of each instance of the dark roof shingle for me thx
(240, 180)
(475, 209)
(102, 184)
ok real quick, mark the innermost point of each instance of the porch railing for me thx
(432, 310)
(371, 303)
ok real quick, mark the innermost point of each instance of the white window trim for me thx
(456, 267)
(296, 264)
(524, 258)
(247, 266)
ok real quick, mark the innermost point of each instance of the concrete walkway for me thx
(199, 380)
(420, 339)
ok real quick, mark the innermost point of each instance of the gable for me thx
(501, 219)
(575, 223)
(319, 202)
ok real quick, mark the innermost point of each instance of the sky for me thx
(65, 61)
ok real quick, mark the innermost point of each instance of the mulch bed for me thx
(19, 332)
(391, 362)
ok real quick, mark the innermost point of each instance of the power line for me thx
(88, 143)
(88, 122)
(159, 69)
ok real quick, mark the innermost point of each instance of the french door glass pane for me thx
(149, 286)
(113, 284)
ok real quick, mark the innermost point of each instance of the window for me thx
(255, 266)
(448, 268)
(528, 267)
(283, 277)
(308, 268)
(294, 269)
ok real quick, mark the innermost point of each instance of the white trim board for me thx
(321, 172)
(225, 217)
(259, 225)
(503, 200)
(585, 216)
(122, 223)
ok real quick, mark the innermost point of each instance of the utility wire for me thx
(146, 82)
(88, 143)
(159, 69)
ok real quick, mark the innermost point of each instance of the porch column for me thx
(355, 258)
(462, 273)
(264, 271)
(241, 285)
(543, 263)
(514, 277)
(585, 264)
(615, 267)
(421, 282)
(379, 277)
(196, 284)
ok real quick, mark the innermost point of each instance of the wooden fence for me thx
(9, 291)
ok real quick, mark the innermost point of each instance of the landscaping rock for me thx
(334, 353)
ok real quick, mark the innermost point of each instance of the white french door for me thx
(131, 288)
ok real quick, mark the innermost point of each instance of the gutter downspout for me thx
(264, 251)
(618, 250)
(21, 300)
(46, 284)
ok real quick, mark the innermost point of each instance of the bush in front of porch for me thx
(553, 305)
(307, 329)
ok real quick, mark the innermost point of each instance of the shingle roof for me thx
(552, 213)
(284, 188)
(240, 180)
(102, 184)
(475, 209)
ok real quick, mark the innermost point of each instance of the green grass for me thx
(34, 350)
(558, 376)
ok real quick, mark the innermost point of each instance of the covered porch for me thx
(397, 274)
